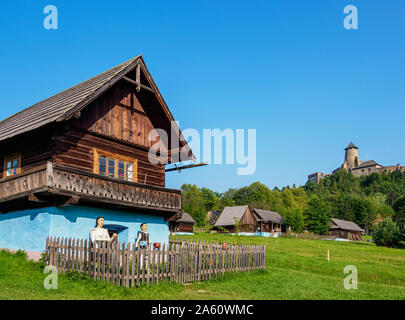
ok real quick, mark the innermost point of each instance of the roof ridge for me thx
(72, 87)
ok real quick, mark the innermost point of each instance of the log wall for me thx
(75, 149)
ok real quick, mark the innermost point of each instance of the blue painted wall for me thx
(28, 229)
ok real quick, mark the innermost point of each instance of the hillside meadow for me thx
(295, 269)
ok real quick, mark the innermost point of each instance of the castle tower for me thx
(352, 156)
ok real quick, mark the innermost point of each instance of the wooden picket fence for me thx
(125, 265)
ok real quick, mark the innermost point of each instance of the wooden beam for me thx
(70, 201)
(33, 197)
(77, 114)
(174, 217)
(137, 84)
(138, 77)
(187, 167)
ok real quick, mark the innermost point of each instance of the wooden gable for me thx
(119, 114)
(248, 218)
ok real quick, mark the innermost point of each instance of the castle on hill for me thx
(354, 165)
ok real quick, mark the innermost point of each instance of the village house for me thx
(347, 230)
(269, 221)
(83, 153)
(242, 220)
(182, 225)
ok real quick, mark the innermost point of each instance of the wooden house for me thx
(250, 222)
(347, 230)
(238, 218)
(182, 225)
(269, 221)
(83, 153)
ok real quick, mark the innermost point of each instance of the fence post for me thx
(127, 264)
(81, 254)
(88, 257)
(122, 265)
(159, 253)
(138, 265)
(143, 263)
(133, 265)
(107, 261)
(199, 252)
(148, 264)
(102, 249)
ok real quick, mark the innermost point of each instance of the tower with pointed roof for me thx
(352, 159)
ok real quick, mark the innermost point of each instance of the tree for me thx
(193, 203)
(386, 233)
(210, 199)
(256, 195)
(294, 218)
(399, 207)
(317, 216)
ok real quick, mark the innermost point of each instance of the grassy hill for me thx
(296, 269)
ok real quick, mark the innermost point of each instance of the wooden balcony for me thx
(54, 179)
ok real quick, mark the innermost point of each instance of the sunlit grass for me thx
(295, 269)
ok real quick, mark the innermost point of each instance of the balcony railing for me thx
(57, 179)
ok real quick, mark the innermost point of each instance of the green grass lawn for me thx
(295, 269)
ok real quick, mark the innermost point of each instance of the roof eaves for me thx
(94, 95)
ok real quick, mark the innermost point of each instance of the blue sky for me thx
(285, 68)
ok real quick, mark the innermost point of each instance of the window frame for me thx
(11, 157)
(116, 157)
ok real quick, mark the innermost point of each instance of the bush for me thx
(21, 253)
(387, 234)
(399, 207)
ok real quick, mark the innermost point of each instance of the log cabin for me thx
(84, 153)
(271, 223)
(236, 219)
(257, 222)
(183, 225)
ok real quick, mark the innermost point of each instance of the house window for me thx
(12, 165)
(102, 165)
(111, 168)
(114, 165)
(121, 170)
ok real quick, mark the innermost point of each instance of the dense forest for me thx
(364, 200)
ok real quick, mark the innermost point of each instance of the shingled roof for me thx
(186, 218)
(229, 214)
(65, 104)
(365, 164)
(59, 106)
(269, 216)
(345, 225)
(351, 146)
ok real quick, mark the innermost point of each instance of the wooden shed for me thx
(241, 215)
(183, 225)
(343, 229)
